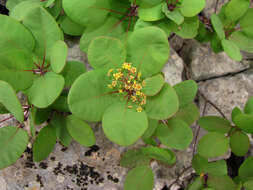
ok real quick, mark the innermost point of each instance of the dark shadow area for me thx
(234, 162)
(3, 10)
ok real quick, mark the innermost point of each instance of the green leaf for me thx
(164, 105)
(56, 9)
(245, 23)
(49, 3)
(174, 15)
(13, 142)
(243, 41)
(60, 104)
(106, 52)
(80, 131)
(248, 109)
(134, 158)
(58, 56)
(190, 8)
(60, 124)
(151, 13)
(246, 169)
(215, 124)
(248, 185)
(153, 85)
(239, 143)
(89, 96)
(220, 182)
(88, 13)
(245, 122)
(70, 27)
(45, 89)
(213, 145)
(3, 110)
(218, 26)
(235, 9)
(199, 163)
(10, 101)
(176, 134)
(188, 29)
(198, 184)
(148, 50)
(44, 143)
(160, 154)
(189, 113)
(152, 125)
(45, 30)
(216, 44)
(138, 178)
(71, 71)
(236, 111)
(186, 92)
(122, 125)
(231, 49)
(41, 115)
(16, 43)
(10, 4)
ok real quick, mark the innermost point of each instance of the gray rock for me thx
(174, 68)
(210, 7)
(176, 43)
(204, 63)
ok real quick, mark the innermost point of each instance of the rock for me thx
(204, 63)
(210, 7)
(176, 43)
(173, 69)
(2, 184)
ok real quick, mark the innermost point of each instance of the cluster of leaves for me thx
(63, 96)
(231, 30)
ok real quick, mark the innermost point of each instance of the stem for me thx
(6, 119)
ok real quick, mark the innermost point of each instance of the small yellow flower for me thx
(117, 75)
(138, 87)
(109, 72)
(126, 66)
(131, 77)
(114, 83)
(133, 70)
(110, 86)
(138, 93)
(139, 75)
(139, 109)
(127, 87)
(133, 98)
(120, 91)
(143, 101)
(143, 83)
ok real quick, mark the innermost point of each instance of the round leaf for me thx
(152, 125)
(243, 41)
(246, 169)
(215, 124)
(44, 143)
(220, 182)
(239, 143)
(153, 85)
(69, 27)
(45, 30)
(58, 56)
(13, 142)
(122, 125)
(133, 158)
(45, 89)
(186, 92)
(89, 13)
(148, 50)
(71, 71)
(163, 105)
(190, 8)
(231, 49)
(89, 96)
(138, 178)
(236, 111)
(174, 15)
(150, 13)
(106, 52)
(10, 101)
(235, 9)
(218, 26)
(80, 131)
(213, 145)
(176, 134)
(245, 122)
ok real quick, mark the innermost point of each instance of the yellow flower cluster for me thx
(128, 83)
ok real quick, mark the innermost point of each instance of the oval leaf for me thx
(213, 145)
(106, 52)
(122, 125)
(80, 131)
(138, 178)
(163, 105)
(220, 182)
(235, 9)
(58, 56)
(239, 143)
(133, 158)
(45, 89)
(231, 49)
(218, 26)
(10, 101)
(153, 85)
(245, 122)
(190, 8)
(69, 27)
(44, 143)
(246, 169)
(13, 142)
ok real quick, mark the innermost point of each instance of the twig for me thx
(216, 6)
(178, 177)
(6, 119)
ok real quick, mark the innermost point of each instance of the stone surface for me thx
(204, 63)
(210, 7)
(174, 68)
